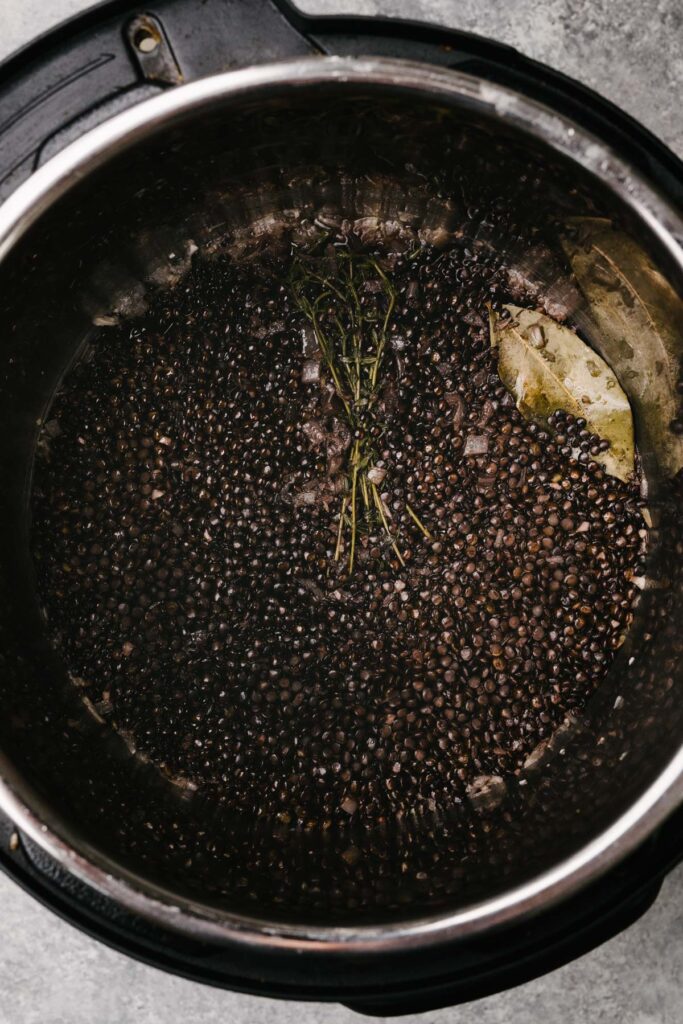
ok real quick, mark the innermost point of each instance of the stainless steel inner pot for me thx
(258, 155)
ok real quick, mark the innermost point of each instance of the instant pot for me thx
(130, 137)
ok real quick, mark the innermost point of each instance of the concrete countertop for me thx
(632, 52)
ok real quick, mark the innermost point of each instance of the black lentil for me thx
(184, 533)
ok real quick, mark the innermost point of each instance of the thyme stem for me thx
(420, 524)
(350, 307)
(380, 508)
(340, 531)
(354, 481)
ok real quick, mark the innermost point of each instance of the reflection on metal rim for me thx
(430, 84)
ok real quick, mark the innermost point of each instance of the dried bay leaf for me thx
(547, 367)
(635, 319)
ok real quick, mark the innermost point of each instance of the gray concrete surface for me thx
(632, 52)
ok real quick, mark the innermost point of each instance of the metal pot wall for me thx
(257, 153)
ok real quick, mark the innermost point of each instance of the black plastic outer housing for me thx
(83, 73)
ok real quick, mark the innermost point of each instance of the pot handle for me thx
(116, 55)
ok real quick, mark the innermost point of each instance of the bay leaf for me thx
(547, 367)
(635, 320)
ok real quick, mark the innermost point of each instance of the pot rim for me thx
(421, 81)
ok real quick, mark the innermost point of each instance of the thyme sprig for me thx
(349, 301)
